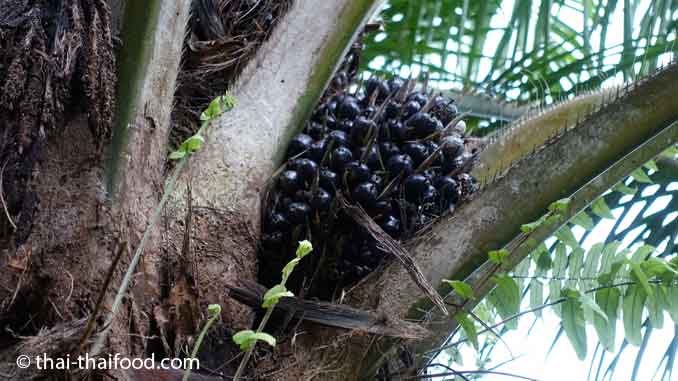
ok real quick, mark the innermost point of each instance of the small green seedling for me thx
(218, 106)
(247, 339)
(213, 313)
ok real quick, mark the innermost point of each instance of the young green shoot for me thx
(213, 313)
(247, 339)
(218, 106)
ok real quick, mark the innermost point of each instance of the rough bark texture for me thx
(53, 342)
(204, 252)
(52, 58)
(149, 64)
(56, 274)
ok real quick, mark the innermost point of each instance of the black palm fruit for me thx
(432, 149)
(392, 110)
(321, 200)
(397, 131)
(423, 124)
(453, 146)
(357, 172)
(299, 144)
(394, 84)
(414, 187)
(410, 108)
(468, 183)
(438, 103)
(348, 108)
(340, 80)
(332, 106)
(416, 151)
(318, 115)
(371, 158)
(289, 181)
(302, 196)
(368, 147)
(391, 225)
(376, 85)
(429, 195)
(316, 151)
(430, 175)
(315, 130)
(345, 126)
(444, 110)
(328, 180)
(418, 97)
(278, 222)
(452, 164)
(338, 138)
(365, 194)
(368, 111)
(273, 240)
(340, 157)
(388, 149)
(297, 212)
(361, 130)
(378, 180)
(307, 168)
(448, 189)
(398, 164)
(330, 122)
(382, 207)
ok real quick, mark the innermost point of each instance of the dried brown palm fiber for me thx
(55, 342)
(56, 58)
(391, 246)
(224, 36)
(329, 314)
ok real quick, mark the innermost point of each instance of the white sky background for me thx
(529, 343)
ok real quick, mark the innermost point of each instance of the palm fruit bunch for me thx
(397, 152)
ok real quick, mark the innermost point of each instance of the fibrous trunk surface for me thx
(77, 191)
(56, 61)
(57, 74)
